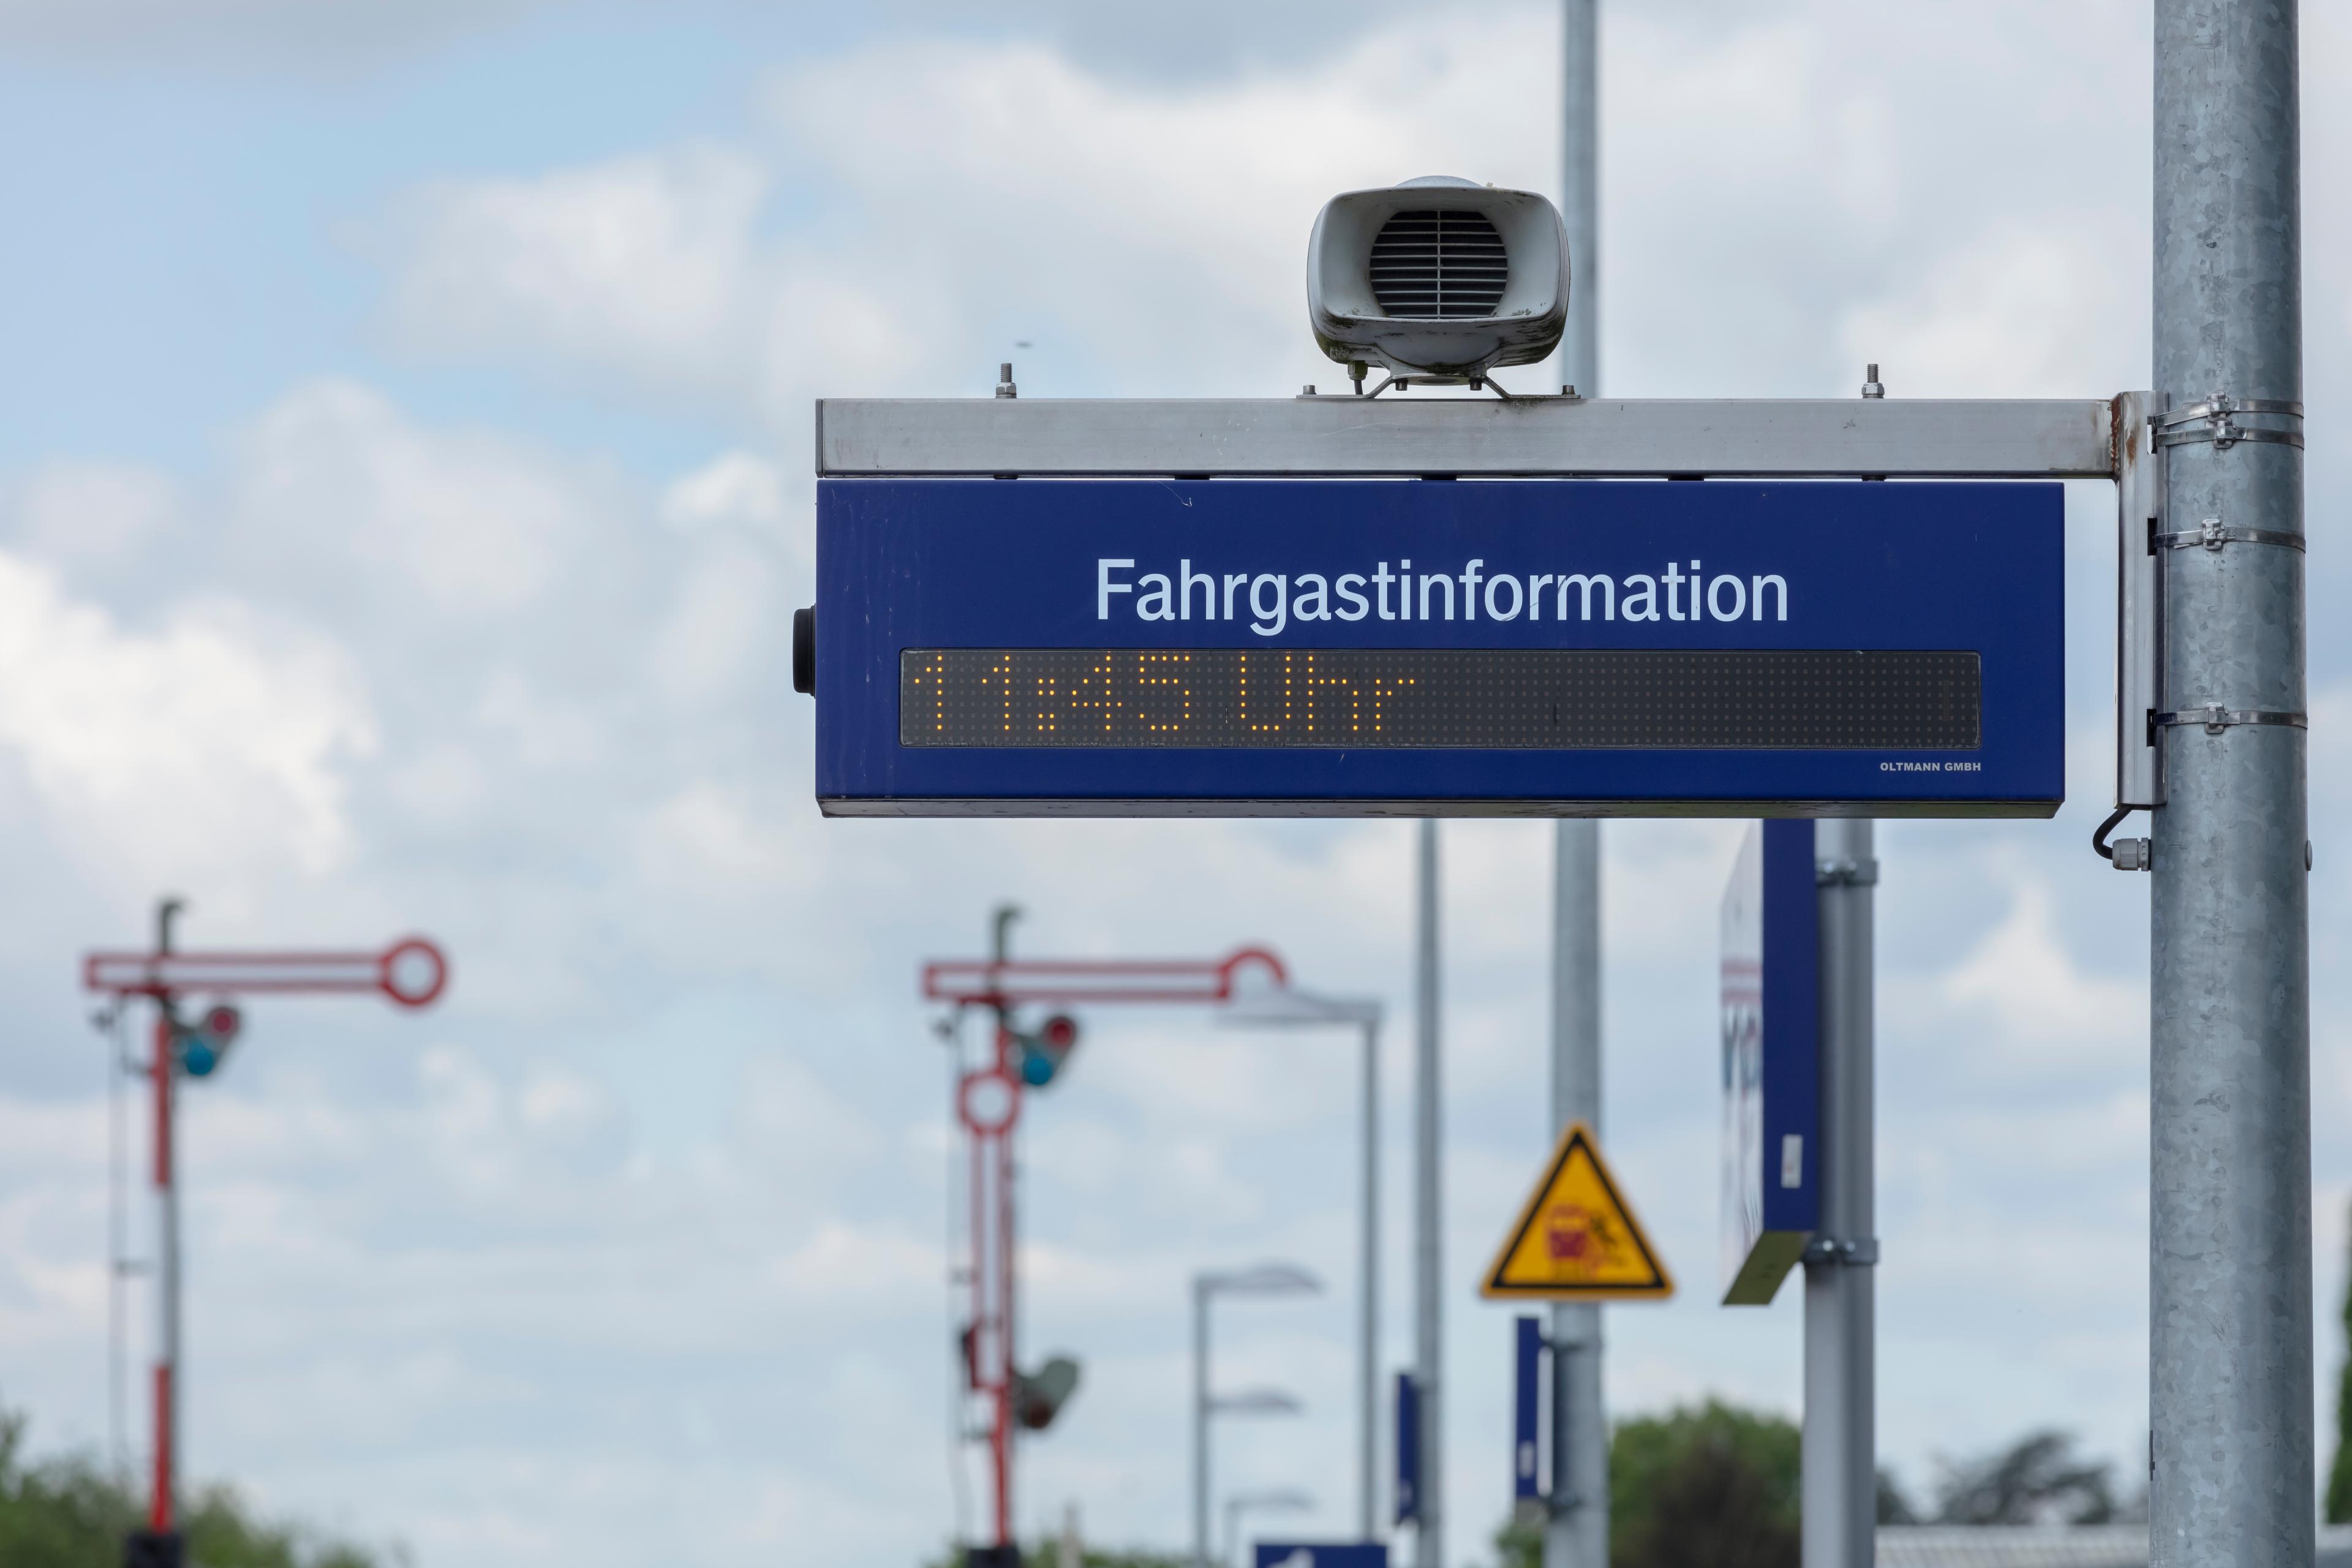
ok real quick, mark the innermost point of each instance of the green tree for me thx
(1710, 1487)
(66, 1513)
(1719, 1487)
(1519, 1544)
(2036, 1480)
(1893, 1503)
(1715, 1486)
(2339, 1475)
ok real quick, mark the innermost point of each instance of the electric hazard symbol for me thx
(1577, 1238)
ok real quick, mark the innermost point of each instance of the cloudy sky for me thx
(404, 488)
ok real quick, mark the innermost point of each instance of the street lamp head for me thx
(1283, 1499)
(1256, 1402)
(1290, 1008)
(1258, 1279)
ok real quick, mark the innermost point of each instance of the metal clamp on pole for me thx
(1851, 1252)
(2216, 718)
(1845, 873)
(2215, 420)
(2211, 535)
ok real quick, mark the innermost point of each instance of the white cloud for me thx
(94, 514)
(1177, 217)
(211, 743)
(713, 842)
(241, 35)
(2033, 310)
(336, 484)
(730, 609)
(788, 1123)
(841, 1269)
(732, 488)
(1177, 213)
(2040, 1005)
(643, 265)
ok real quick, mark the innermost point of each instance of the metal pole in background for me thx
(2230, 1383)
(1200, 1422)
(1575, 1534)
(1429, 1534)
(1368, 1392)
(1840, 1442)
(1580, 192)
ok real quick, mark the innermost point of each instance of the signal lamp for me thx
(1045, 1050)
(201, 1046)
(1038, 1396)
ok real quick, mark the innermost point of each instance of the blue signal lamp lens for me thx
(1036, 1068)
(199, 1058)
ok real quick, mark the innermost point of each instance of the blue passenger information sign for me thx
(1345, 647)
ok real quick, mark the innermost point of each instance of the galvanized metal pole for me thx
(1575, 1534)
(2230, 1383)
(1368, 1352)
(1429, 1534)
(1200, 1422)
(1580, 192)
(1840, 1443)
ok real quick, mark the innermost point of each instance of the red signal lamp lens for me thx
(1058, 1033)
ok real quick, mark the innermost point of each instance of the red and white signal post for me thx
(410, 973)
(988, 1103)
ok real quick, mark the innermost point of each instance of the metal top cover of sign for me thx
(1366, 647)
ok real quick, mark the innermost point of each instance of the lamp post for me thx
(1262, 1280)
(1287, 1008)
(1288, 1500)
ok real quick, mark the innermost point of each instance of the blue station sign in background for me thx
(1340, 648)
(1772, 1147)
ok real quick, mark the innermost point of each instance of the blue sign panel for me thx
(1326, 648)
(1408, 1448)
(1771, 1060)
(1321, 1554)
(1526, 1377)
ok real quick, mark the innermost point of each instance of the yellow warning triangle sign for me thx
(1577, 1240)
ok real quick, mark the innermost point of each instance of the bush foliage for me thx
(1719, 1487)
(67, 1512)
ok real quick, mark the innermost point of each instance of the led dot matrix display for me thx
(1564, 699)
